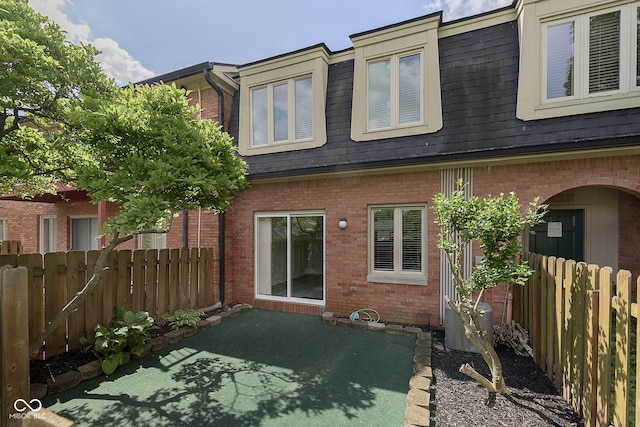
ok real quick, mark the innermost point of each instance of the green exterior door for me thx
(562, 235)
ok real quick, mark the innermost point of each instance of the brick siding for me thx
(346, 250)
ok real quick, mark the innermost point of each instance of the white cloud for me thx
(454, 9)
(115, 61)
(53, 9)
(118, 63)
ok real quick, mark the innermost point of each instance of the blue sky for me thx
(144, 38)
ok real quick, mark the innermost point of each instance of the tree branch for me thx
(98, 272)
(470, 372)
(14, 126)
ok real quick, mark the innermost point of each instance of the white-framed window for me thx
(152, 241)
(4, 229)
(289, 248)
(283, 102)
(84, 234)
(396, 81)
(394, 91)
(282, 112)
(48, 233)
(397, 244)
(591, 54)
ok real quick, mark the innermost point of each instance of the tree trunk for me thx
(476, 335)
(71, 306)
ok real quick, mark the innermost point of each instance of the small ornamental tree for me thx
(147, 151)
(497, 224)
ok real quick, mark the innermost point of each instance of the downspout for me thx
(221, 219)
(185, 229)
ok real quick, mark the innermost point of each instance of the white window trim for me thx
(534, 17)
(581, 58)
(52, 233)
(411, 37)
(155, 244)
(288, 215)
(395, 90)
(71, 218)
(397, 276)
(4, 230)
(291, 111)
(312, 63)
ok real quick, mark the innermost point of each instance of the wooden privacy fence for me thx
(10, 247)
(155, 281)
(579, 319)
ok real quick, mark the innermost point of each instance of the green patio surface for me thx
(261, 368)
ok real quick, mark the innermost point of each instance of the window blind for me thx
(259, 116)
(383, 224)
(604, 52)
(379, 89)
(409, 88)
(411, 240)
(304, 108)
(281, 112)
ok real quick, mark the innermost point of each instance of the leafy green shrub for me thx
(128, 332)
(182, 318)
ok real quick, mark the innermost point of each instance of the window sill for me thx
(294, 300)
(569, 107)
(397, 280)
(279, 147)
(405, 130)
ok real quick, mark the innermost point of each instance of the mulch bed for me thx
(457, 400)
(42, 370)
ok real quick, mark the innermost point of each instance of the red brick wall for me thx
(629, 232)
(209, 104)
(23, 221)
(346, 250)
(24, 224)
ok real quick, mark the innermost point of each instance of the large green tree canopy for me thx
(150, 154)
(143, 148)
(41, 76)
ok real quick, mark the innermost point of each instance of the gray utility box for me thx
(454, 337)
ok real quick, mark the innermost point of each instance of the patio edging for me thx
(418, 398)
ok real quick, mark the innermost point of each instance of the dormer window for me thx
(282, 103)
(578, 60)
(282, 112)
(588, 55)
(396, 89)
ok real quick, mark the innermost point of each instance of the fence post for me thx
(14, 339)
(549, 314)
(637, 352)
(559, 322)
(604, 347)
(567, 338)
(623, 343)
(578, 326)
(590, 401)
(535, 310)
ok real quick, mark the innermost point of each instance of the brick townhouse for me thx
(346, 150)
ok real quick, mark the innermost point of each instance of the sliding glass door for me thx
(290, 256)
